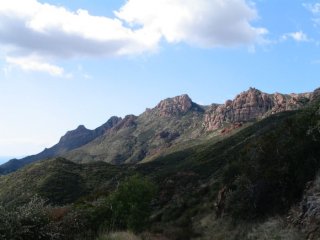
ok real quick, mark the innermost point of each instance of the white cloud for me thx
(299, 36)
(30, 28)
(31, 64)
(314, 8)
(205, 23)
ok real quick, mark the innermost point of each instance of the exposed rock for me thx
(220, 202)
(113, 121)
(168, 136)
(316, 94)
(307, 216)
(228, 130)
(128, 121)
(251, 105)
(174, 106)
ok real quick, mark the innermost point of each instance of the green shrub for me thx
(130, 204)
(29, 221)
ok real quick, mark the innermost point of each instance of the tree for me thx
(130, 204)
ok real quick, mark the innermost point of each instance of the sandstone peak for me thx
(176, 105)
(250, 105)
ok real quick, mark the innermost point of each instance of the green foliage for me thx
(62, 187)
(130, 204)
(29, 221)
(271, 171)
(264, 168)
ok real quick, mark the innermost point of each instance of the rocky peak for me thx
(81, 128)
(316, 94)
(127, 122)
(250, 105)
(174, 106)
(73, 134)
(113, 121)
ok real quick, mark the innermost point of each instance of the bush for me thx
(130, 204)
(29, 221)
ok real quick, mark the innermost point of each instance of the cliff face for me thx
(174, 106)
(251, 105)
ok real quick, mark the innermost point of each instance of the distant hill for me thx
(71, 140)
(173, 124)
(4, 159)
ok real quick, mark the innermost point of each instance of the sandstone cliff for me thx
(252, 105)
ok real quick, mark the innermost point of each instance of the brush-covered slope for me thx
(172, 121)
(204, 191)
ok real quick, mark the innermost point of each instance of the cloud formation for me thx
(315, 10)
(47, 31)
(299, 36)
(204, 23)
(30, 64)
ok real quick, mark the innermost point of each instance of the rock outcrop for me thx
(307, 214)
(174, 106)
(128, 121)
(251, 105)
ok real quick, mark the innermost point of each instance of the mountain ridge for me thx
(72, 139)
(171, 122)
(228, 189)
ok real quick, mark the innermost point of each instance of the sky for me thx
(64, 63)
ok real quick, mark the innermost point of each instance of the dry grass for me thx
(119, 236)
(274, 229)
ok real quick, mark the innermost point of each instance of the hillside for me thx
(228, 189)
(175, 123)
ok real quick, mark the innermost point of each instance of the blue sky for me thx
(61, 67)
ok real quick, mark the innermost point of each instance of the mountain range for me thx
(246, 169)
(174, 122)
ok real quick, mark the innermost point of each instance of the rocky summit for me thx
(251, 105)
(174, 106)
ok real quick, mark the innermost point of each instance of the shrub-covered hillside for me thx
(231, 189)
